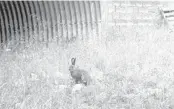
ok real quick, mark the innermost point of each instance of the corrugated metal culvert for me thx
(46, 21)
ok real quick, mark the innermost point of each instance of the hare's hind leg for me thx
(85, 83)
(77, 81)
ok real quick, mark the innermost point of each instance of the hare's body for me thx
(79, 75)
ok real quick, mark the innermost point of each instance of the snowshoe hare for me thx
(79, 75)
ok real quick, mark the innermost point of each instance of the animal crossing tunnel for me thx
(46, 21)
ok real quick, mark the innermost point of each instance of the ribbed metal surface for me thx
(46, 21)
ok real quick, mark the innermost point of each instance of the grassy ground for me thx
(132, 70)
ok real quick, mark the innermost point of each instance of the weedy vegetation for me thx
(133, 69)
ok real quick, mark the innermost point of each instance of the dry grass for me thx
(134, 70)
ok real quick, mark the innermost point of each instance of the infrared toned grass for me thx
(132, 69)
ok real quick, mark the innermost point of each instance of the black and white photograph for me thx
(100, 54)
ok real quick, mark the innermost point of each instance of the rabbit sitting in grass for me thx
(79, 75)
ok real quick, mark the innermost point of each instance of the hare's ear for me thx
(73, 61)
